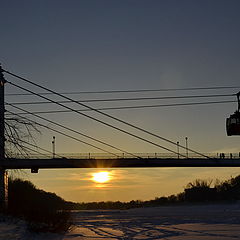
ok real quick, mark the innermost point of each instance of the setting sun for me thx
(101, 177)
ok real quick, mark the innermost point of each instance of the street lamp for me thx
(53, 147)
(186, 138)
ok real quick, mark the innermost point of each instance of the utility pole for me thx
(3, 172)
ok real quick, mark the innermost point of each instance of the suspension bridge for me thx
(26, 155)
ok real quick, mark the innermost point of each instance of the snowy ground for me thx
(199, 222)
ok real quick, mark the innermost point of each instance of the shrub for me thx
(42, 210)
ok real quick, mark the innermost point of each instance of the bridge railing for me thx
(127, 156)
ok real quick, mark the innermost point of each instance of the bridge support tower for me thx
(3, 172)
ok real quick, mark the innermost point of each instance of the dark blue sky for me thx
(161, 43)
(84, 45)
(101, 45)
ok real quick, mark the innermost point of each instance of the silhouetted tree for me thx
(20, 134)
(42, 210)
(200, 190)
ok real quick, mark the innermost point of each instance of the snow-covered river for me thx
(198, 222)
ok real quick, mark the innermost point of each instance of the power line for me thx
(30, 144)
(105, 114)
(17, 146)
(129, 107)
(30, 149)
(100, 121)
(77, 132)
(126, 91)
(27, 148)
(102, 113)
(64, 134)
(129, 99)
(43, 149)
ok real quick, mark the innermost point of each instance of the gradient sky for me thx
(94, 45)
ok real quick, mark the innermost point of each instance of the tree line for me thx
(25, 198)
(196, 191)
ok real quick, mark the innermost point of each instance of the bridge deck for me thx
(116, 163)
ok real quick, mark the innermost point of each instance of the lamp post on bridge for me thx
(178, 150)
(186, 138)
(53, 147)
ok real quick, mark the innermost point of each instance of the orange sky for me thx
(125, 184)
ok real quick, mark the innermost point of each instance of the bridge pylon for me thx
(3, 172)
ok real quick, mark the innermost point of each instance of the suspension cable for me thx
(74, 131)
(129, 107)
(102, 113)
(128, 99)
(127, 91)
(66, 135)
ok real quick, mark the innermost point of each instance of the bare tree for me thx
(20, 133)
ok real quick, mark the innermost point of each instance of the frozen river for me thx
(198, 222)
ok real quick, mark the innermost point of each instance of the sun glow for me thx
(101, 177)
